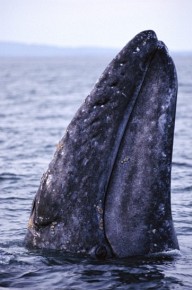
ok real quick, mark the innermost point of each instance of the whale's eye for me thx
(101, 252)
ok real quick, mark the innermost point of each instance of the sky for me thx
(98, 23)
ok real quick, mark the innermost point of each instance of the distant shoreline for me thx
(13, 49)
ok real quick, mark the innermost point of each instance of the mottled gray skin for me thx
(107, 190)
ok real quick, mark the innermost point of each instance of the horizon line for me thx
(60, 47)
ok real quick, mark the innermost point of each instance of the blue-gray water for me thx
(38, 98)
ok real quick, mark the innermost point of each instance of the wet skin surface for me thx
(107, 190)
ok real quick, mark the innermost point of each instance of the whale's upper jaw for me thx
(107, 189)
(137, 206)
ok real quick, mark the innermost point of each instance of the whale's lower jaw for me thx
(107, 190)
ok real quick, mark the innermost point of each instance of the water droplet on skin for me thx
(49, 179)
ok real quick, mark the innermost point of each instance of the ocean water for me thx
(38, 98)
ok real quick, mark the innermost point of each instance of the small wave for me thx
(189, 85)
(182, 164)
(188, 188)
(10, 176)
(166, 254)
(6, 258)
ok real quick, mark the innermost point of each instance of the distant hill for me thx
(12, 49)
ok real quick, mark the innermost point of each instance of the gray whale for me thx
(106, 192)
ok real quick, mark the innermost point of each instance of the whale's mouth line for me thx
(128, 112)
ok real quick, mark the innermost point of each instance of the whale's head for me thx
(107, 190)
